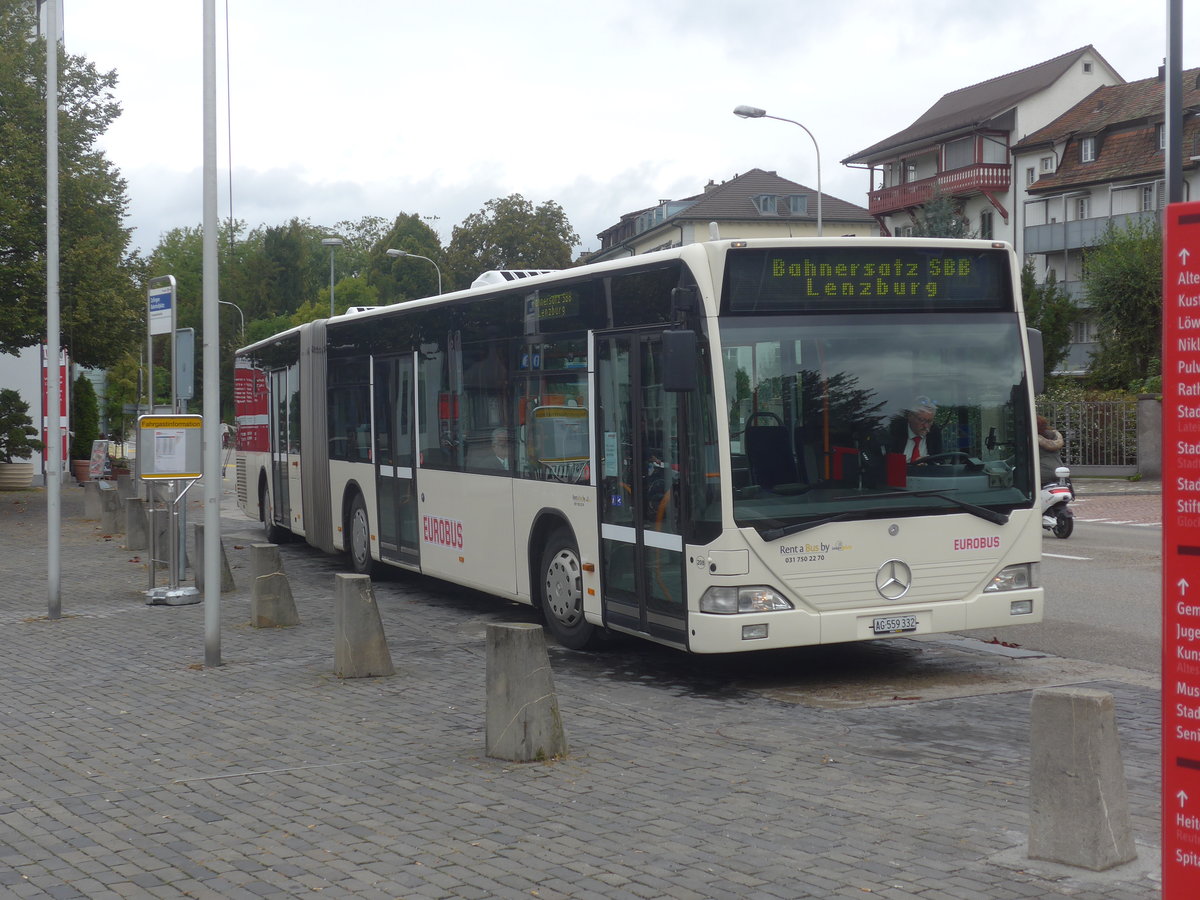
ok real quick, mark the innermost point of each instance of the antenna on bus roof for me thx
(714, 233)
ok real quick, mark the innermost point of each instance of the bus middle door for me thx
(394, 452)
(640, 443)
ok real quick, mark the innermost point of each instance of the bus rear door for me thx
(640, 443)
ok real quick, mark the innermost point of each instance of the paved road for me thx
(129, 769)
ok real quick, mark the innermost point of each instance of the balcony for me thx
(1077, 234)
(979, 178)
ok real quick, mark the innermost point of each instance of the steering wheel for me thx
(944, 459)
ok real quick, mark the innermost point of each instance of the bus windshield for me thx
(860, 416)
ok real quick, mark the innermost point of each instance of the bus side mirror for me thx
(1037, 360)
(679, 361)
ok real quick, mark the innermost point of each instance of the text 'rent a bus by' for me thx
(709, 446)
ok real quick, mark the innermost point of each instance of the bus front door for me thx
(394, 453)
(640, 445)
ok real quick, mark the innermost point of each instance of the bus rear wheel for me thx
(275, 534)
(562, 592)
(358, 527)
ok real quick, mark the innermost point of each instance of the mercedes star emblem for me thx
(893, 579)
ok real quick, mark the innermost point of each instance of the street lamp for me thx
(753, 112)
(332, 244)
(241, 315)
(396, 254)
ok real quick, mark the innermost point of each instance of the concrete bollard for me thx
(198, 562)
(523, 721)
(111, 517)
(91, 499)
(272, 604)
(264, 560)
(135, 524)
(126, 487)
(1078, 807)
(360, 649)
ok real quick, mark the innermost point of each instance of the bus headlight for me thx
(1014, 578)
(730, 600)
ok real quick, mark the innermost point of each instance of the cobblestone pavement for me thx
(129, 769)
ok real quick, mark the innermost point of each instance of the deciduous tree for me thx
(1050, 310)
(510, 233)
(1122, 278)
(100, 279)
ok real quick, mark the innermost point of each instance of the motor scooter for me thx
(1057, 515)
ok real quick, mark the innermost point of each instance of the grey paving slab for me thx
(129, 769)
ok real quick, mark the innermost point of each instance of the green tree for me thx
(510, 233)
(1122, 279)
(942, 217)
(85, 418)
(406, 279)
(99, 290)
(1051, 311)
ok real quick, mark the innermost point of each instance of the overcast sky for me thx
(377, 107)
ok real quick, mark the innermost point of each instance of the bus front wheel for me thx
(562, 592)
(359, 528)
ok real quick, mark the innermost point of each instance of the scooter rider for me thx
(1050, 444)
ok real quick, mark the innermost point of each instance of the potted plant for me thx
(17, 441)
(85, 426)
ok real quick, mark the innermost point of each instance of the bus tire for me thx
(358, 537)
(561, 579)
(275, 533)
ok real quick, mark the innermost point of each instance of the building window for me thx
(1087, 68)
(910, 172)
(987, 225)
(798, 204)
(768, 204)
(1030, 175)
(959, 154)
(1162, 135)
(1047, 163)
(1083, 207)
(1087, 150)
(1150, 197)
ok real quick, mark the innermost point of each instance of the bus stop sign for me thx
(1181, 553)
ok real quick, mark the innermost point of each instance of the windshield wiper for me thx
(997, 518)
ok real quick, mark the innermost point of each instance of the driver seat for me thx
(769, 451)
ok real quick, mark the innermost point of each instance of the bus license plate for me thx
(894, 624)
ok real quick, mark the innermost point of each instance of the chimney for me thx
(711, 186)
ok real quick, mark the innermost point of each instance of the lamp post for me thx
(397, 254)
(240, 315)
(753, 112)
(332, 244)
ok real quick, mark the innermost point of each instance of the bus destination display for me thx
(823, 279)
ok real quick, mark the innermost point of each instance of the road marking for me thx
(1063, 556)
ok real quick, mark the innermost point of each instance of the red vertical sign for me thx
(1181, 552)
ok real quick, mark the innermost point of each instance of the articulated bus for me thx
(706, 446)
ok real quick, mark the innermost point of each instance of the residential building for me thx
(1099, 163)
(960, 147)
(755, 204)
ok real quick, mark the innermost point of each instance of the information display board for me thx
(1181, 553)
(170, 446)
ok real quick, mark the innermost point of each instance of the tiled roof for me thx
(978, 104)
(733, 200)
(1123, 119)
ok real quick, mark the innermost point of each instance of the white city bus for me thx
(699, 442)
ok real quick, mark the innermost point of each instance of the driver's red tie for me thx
(916, 454)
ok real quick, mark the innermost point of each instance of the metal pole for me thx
(1173, 122)
(212, 364)
(53, 327)
(331, 282)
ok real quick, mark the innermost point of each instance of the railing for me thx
(956, 182)
(1100, 436)
(1077, 233)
